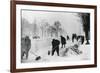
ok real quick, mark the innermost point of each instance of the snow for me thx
(40, 47)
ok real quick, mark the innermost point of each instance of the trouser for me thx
(55, 50)
(63, 46)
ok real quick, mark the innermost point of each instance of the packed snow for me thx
(40, 47)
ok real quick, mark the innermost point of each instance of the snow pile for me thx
(40, 47)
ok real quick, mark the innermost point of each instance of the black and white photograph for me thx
(54, 36)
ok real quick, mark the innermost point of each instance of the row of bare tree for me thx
(42, 30)
(46, 30)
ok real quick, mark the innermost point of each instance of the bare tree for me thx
(57, 25)
(44, 28)
(25, 27)
(51, 30)
(35, 28)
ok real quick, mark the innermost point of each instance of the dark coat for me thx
(81, 38)
(25, 46)
(55, 43)
(63, 40)
(55, 46)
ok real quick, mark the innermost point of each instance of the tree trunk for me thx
(87, 37)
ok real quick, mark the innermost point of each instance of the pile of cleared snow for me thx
(40, 47)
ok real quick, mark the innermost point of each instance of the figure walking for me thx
(63, 42)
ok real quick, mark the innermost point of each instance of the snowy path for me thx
(41, 47)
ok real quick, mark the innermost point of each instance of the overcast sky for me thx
(69, 21)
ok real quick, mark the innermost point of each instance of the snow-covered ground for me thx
(40, 47)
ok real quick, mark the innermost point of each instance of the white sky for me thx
(69, 21)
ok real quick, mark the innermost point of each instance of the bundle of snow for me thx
(73, 49)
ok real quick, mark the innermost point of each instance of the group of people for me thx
(77, 37)
(56, 43)
(26, 44)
